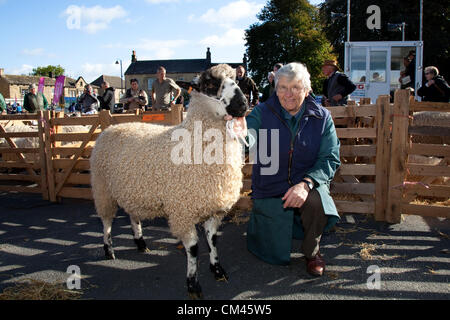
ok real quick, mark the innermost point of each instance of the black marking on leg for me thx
(214, 240)
(141, 245)
(194, 250)
(109, 252)
(194, 289)
(219, 272)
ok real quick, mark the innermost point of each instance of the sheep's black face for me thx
(231, 95)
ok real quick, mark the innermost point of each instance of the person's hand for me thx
(240, 125)
(296, 196)
(337, 97)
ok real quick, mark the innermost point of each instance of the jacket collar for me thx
(310, 105)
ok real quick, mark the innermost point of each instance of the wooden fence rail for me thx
(375, 148)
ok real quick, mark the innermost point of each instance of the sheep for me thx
(33, 142)
(133, 166)
(431, 119)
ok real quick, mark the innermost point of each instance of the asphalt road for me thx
(40, 240)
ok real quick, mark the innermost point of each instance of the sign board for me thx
(153, 117)
(360, 91)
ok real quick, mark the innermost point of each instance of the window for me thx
(358, 65)
(378, 62)
(150, 83)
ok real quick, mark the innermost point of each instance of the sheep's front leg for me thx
(211, 226)
(107, 239)
(138, 237)
(190, 242)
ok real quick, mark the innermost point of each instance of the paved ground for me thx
(41, 240)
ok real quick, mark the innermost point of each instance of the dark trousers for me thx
(314, 221)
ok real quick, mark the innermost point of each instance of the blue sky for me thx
(87, 37)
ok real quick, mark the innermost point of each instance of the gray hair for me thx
(32, 86)
(294, 71)
(432, 69)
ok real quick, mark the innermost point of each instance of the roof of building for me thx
(113, 81)
(172, 66)
(27, 80)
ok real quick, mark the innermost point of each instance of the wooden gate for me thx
(70, 143)
(22, 165)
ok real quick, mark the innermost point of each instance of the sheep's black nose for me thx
(238, 105)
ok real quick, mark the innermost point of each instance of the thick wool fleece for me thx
(131, 167)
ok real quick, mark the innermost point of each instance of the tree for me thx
(288, 30)
(436, 26)
(45, 71)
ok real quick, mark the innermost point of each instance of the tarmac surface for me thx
(41, 240)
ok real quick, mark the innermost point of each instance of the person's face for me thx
(134, 85)
(270, 78)
(429, 75)
(291, 94)
(240, 72)
(161, 74)
(327, 70)
(33, 90)
(104, 86)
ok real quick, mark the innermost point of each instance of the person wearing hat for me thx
(337, 86)
(34, 101)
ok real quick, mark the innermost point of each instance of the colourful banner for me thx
(59, 87)
(41, 85)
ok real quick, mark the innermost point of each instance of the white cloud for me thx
(227, 15)
(92, 20)
(232, 37)
(160, 1)
(91, 71)
(25, 69)
(33, 52)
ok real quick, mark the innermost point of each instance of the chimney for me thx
(133, 57)
(51, 74)
(208, 56)
(2, 72)
(245, 61)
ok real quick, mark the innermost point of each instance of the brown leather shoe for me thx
(315, 266)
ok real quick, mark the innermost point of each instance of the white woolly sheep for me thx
(135, 166)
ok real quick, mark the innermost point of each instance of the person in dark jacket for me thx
(108, 99)
(88, 101)
(436, 89)
(247, 86)
(337, 86)
(34, 100)
(290, 189)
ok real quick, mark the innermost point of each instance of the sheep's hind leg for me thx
(107, 239)
(190, 243)
(211, 226)
(138, 237)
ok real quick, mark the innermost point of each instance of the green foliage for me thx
(45, 71)
(436, 26)
(288, 31)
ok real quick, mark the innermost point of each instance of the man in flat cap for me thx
(337, 86)
(34, 100)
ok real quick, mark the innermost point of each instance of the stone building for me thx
(16, 86)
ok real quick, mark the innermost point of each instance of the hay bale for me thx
(38, 290)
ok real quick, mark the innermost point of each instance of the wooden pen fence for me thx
(375, 147)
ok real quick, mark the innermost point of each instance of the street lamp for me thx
(121, 80)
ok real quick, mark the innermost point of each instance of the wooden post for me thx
(49, 158)
(383, 157)
(57, 129)
(105, 119)
(42, 156)
(399, 155)
(176, 114)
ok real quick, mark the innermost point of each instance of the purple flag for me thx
(41, 85)
(59, 87)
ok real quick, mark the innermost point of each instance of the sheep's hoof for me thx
(109, 252)
(219, 272)
(194, 289)
(141, 245)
